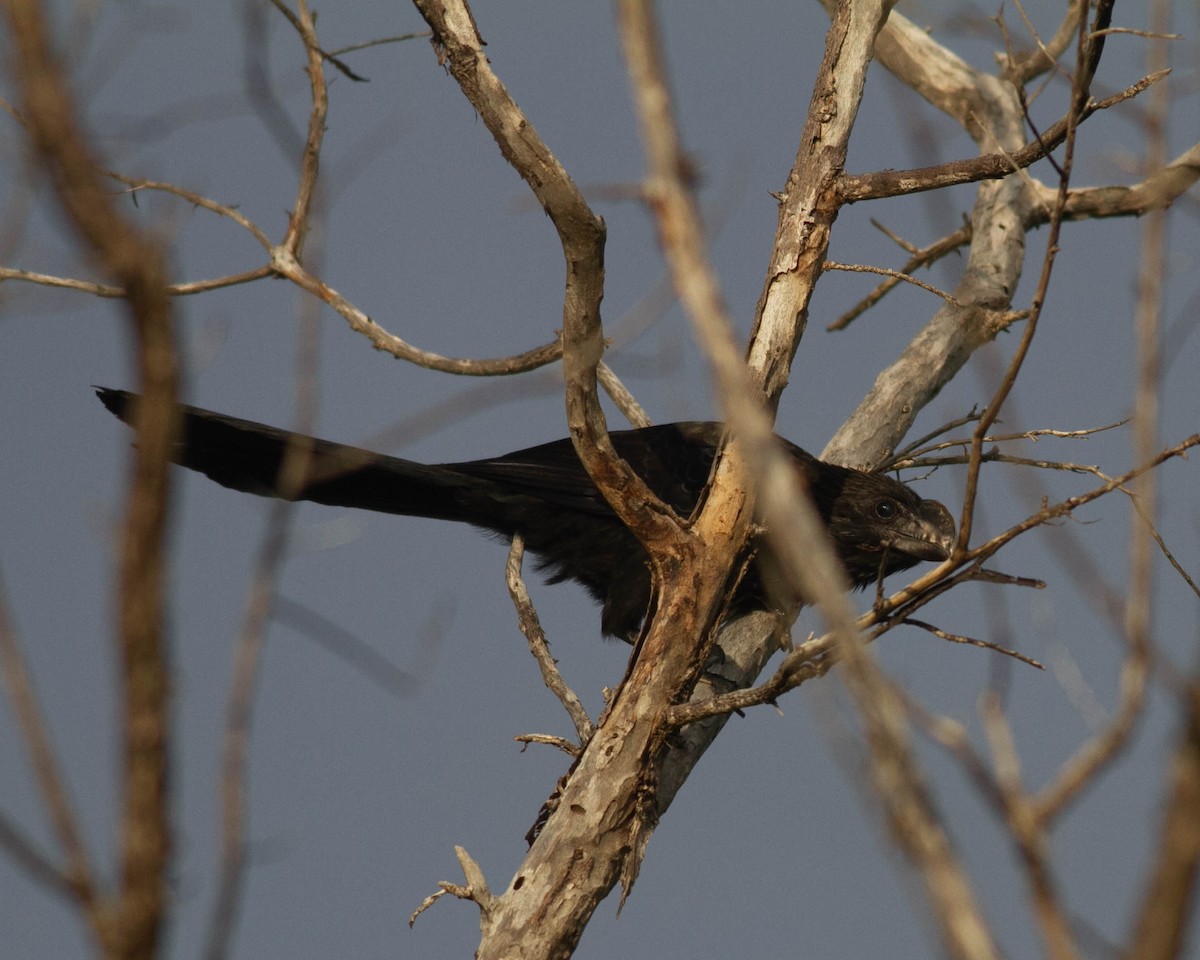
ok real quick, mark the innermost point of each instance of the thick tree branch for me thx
(991, 113)
(582, 234)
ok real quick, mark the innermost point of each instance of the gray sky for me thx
(360, 792)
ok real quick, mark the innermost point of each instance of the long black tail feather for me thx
(247, 456)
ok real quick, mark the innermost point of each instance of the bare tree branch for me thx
(991, 113)
(77, 877)
(129, 927)
(1161, 928)
(892, 183)
(531, 627)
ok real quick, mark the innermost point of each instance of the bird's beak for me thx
(930, 537)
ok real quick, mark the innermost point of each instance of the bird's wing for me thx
(673, 459)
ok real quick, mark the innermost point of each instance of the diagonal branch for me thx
(893, 183)
(77, 878)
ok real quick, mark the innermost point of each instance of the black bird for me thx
(879, 526)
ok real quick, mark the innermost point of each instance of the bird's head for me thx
(876, 522)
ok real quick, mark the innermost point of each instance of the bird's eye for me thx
(885, 509)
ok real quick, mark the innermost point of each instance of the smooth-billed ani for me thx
(878, 525)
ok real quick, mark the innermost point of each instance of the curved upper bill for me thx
(929, 537)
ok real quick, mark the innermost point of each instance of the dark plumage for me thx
(545, 494)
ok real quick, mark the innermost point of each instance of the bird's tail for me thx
(250, 457)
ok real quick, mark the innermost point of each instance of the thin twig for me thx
(366, 44)
(37, 866)
(240, 715)
(1028, 833)
(892, 183)
(918, 445)
(920, 258)
(1033, 435)
(1162, 544)
(286, 265)
(972, 641)
(531, 627)
(896, 275)
(569, 747)
(621, 396)
(137, 184)
(306, 183)
(77, 878)
(111, 291)
(995, 456)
